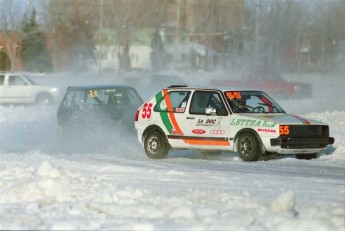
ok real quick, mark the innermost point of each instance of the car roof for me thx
(211, 88)
(88, 87)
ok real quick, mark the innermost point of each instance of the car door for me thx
(66, 108)
(207, 124)
(190, 125)
(172, 109)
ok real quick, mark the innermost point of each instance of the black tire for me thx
(155, 145)
(248, 147)
(305, 156)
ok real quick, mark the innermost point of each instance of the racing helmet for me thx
(240, 103)
(117, 97)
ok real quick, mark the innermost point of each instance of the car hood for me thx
(282, 119)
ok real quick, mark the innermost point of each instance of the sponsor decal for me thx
(252, 123)
(93, 93)
(217, 132)
(175, 132)
(199, 131)
(179, 109)
(163, 105)
(267, 130)
(210, 122)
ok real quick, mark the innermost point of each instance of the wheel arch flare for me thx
(257, 136)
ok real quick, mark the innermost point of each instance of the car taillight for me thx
(136, 115)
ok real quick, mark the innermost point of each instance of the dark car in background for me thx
(84, 108)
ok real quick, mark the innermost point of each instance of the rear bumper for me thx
(302, 143)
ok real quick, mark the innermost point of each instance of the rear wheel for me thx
(306, 156)
(248, 147)
(155, 145)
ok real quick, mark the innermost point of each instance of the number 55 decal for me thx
(147, 111)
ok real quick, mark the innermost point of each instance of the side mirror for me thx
(210, 111)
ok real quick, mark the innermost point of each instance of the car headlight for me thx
(54, 90)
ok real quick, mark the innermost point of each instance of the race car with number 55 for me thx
(248, 122)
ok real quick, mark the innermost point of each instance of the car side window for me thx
(207, 99)
(177, 102)
(68, 99)
(15, 80)
(78, 98)
(134, 98)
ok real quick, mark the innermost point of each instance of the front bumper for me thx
(302, 142)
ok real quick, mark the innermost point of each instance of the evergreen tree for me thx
(35, 56)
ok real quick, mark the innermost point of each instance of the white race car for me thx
(248, 122)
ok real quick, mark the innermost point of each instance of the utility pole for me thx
(177, 32)
(100, 47)
(101, 15)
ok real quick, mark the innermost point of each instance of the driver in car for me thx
(116, 99)
(239, 105)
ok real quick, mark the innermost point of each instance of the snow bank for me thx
(335, 120)
(70, 194)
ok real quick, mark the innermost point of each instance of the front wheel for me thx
(248, 147)
(155, 145)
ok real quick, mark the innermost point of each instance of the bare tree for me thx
(72, 26)
(125, 17)
(108, 23)
(328, 33)
(10, 24)
(282, 23)
(216, 21)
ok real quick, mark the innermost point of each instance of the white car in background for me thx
(248, 122)
(17, 88)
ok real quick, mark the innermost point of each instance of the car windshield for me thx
(251, 102)
(112, 96)
(30, 80)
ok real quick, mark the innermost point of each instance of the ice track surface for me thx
(108, 183)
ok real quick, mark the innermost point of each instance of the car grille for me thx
(305, 136)
(309, 131)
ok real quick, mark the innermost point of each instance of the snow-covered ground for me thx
(107, 182)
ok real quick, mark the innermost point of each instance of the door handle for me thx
(190, 118)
